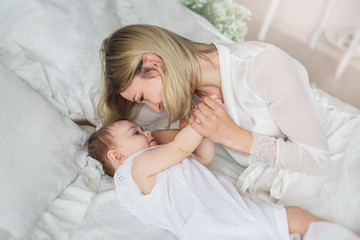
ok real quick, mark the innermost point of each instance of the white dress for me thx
(190, 202)
(296, 129)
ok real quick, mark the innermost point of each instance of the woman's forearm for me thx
(240, 140)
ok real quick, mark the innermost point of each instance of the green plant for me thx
(229, 17)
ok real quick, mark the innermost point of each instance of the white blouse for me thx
(267, 92)
(296, 127)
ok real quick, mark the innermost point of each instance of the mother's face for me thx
(146, 90)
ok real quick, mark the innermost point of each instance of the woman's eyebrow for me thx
(134, 98)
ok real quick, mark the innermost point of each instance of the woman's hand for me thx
(214, 123)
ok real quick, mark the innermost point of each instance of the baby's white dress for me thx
(190, 202)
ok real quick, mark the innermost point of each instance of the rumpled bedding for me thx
(53, 47)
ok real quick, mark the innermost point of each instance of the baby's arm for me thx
(204, 153)
(153, 161)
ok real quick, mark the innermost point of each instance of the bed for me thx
(50, 74)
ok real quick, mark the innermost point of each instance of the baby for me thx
(169, 186)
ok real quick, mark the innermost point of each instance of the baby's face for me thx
(131, 138)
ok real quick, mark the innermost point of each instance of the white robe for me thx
(267, 92)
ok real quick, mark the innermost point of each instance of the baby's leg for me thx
(299, 220)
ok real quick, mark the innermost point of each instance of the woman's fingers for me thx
(203, 111)
(210, 101)
(211, 120)
(197, 125)
(200, 117)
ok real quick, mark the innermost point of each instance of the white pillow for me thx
(54, 45)
(40, 154)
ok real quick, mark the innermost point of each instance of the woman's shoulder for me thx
(245, 50)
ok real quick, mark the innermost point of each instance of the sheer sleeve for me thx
(264, 148)
(283, 83)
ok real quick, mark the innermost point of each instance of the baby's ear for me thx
(115, 156)
(152, 59)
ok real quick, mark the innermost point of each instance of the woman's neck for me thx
(209, 79)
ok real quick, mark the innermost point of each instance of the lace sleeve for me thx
(264, 148)
(128, 192)
(283, 84)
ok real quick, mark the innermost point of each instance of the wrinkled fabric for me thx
(318, 156)
(190, 202)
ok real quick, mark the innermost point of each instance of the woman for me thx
(270, 110)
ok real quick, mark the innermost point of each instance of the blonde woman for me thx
(270, 113)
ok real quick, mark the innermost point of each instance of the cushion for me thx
(40, 154)
(54, 45)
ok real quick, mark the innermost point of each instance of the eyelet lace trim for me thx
(128, 193)
(264, 148)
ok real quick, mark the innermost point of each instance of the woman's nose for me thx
(156, 107)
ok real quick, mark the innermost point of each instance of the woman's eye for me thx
(142, 98)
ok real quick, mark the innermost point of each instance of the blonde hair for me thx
(122, 55)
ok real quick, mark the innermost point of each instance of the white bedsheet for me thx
(53, 47)
(108, 219)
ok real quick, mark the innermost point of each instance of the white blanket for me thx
(53, 46)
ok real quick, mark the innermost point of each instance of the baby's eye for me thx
(137, 133)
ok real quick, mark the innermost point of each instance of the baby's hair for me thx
(99, 143)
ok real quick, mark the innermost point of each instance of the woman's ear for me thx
(151, 59)
(115, 156)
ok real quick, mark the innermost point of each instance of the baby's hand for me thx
(183, 123)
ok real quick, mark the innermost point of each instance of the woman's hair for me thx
(99, 143)
(122, 55)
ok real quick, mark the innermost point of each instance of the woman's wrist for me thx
(241, 140)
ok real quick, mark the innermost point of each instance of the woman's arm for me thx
(216, 125)
(283, 83)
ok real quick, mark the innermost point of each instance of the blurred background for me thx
(323, 35)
